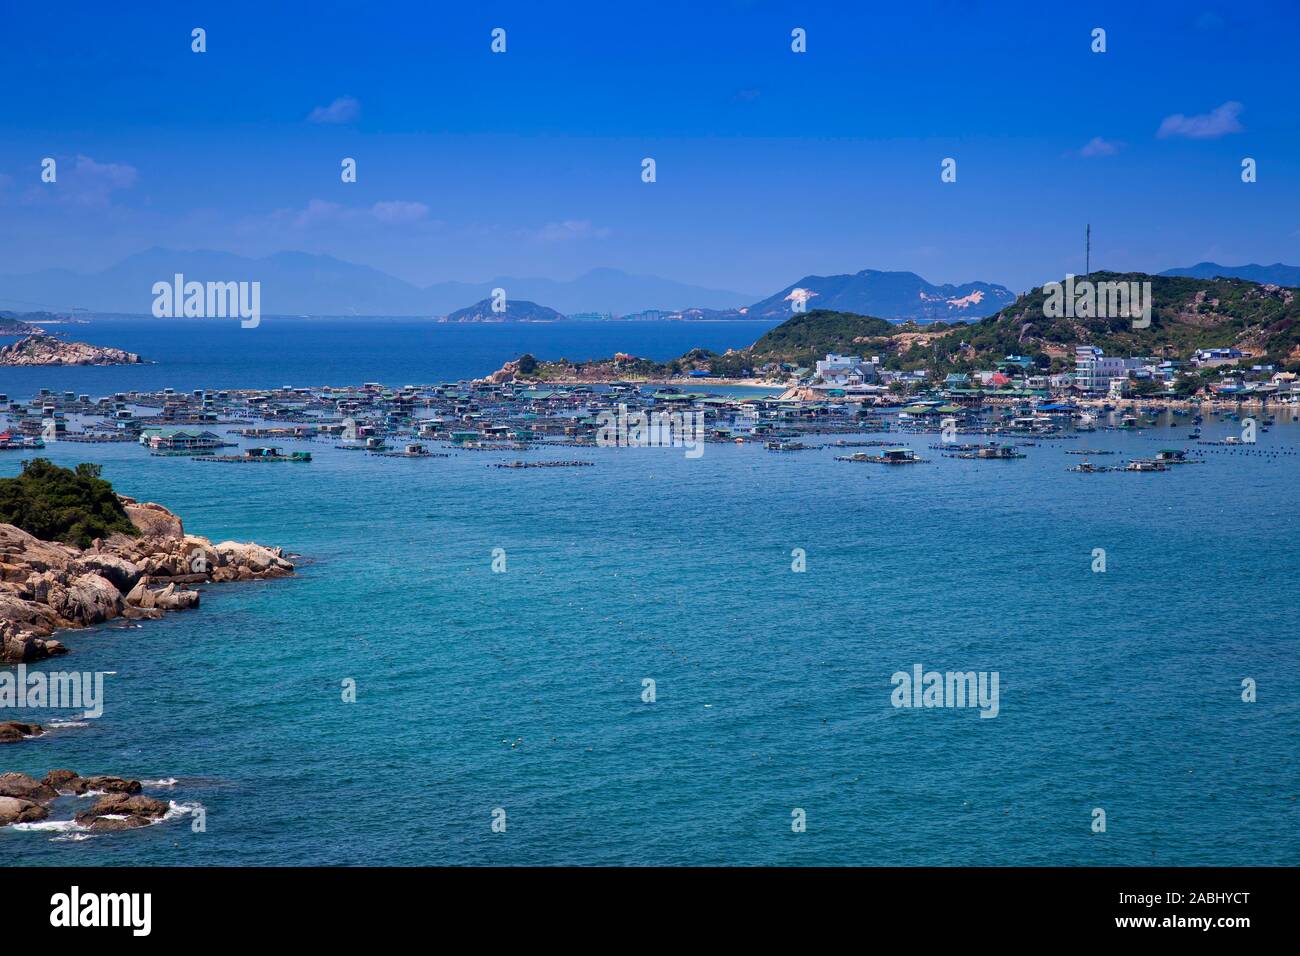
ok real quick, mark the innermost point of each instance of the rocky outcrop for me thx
(12, 731)
(506, 373)
(47, 350)
(14, 810)
(120, 811)
(24, 647)
(45, 586)
(23, 787)
(243, 562)
(120, 805)
(68, 781)
(153, 520)
(21, 553)
(84, 600)
(119, 572)
(59, 779)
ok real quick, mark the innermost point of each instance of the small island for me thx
(42, 349)
(514, 310)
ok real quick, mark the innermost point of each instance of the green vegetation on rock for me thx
(62, 504)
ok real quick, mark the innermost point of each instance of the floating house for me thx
(179, 439)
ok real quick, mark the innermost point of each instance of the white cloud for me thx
(104, 176)
(81, 182)
(345, 109)
(571, 229)
(399, 212)
(1220, 121)
(322, 212)
(317, 212)
(1099, 147)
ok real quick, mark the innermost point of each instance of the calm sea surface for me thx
(217, 353)
(523, 690)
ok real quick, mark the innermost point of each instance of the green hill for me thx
(804, 338)
(1187, 314)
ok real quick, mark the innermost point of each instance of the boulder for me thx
(61, 780)
(141, 613)
(15, 810)
(172, 598)
(257, 560)
(23, 787)
(118, 811)
(12, 731)
(26, 614)
(86, 599)
(119, 572)
(69, 781)
(140, 595)
(198, 556)
(103, 784)
(17, 547)
(153, 520)
(24, 647)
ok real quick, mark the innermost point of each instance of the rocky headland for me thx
(116, 557)
(41, 349)
(47, 586)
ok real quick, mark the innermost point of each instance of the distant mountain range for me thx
(1276, 274)
(899, 296)
(299, 283)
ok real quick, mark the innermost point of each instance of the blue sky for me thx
(771, 165)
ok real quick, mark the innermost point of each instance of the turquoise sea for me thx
(523, 690)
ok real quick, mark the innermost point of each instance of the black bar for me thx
(988, 904)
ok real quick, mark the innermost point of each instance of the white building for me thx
(842, 371)
(1212, 358)
(1094, 371)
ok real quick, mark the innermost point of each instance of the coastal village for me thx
(840, 396)
(1219, 352)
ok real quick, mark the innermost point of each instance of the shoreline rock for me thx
(46, 586)
(120, 811)
(12, 731)
(120, 805)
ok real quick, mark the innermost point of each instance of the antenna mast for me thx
(1087, 255)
